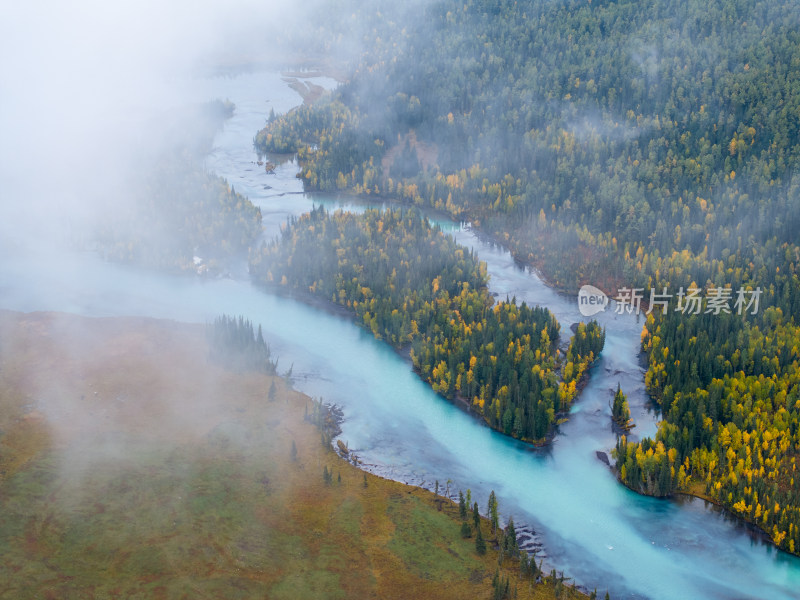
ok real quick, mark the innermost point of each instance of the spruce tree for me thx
(510, 538)
(492, 510)
(466, 530)
(480, 543)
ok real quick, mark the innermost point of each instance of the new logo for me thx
(591, 300)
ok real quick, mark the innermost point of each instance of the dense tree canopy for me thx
(412, 285)
(648, 144)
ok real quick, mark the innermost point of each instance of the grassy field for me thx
(132, 467)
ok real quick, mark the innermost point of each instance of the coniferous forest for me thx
(235, 343)
(628, 168)
(649, 145)
(415, 287)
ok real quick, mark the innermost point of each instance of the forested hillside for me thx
(648, 144)
(410, 284)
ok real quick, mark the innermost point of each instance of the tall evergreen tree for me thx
(510, 539)
(466, 530)
(492, 510)
(480, 543)
(462, 506)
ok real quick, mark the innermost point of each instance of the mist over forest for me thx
(650, 146)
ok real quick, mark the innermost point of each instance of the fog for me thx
(81, 83)
(95, 99)
(93, 95)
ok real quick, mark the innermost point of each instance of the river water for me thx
(595, 530)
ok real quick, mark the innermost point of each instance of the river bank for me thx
(754, 531)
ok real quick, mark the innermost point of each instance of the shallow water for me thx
(595, 530)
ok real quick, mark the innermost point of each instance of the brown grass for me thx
(132, 467)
